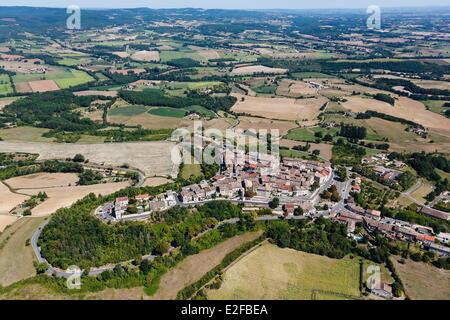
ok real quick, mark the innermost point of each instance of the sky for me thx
(226, 4)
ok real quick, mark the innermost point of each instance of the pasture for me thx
(192, 268)
(423, 281)
(16, 258)
(270, 272)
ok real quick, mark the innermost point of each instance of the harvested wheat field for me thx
(192, 268)
(247, 123)
(156, 181)
(249, 70)
(43, 180)
(280, 108)
(96, 93)
(404, 108)
(43, 85)
(146, 56)
(63, 197)
(209, 54)
(9, 200)
(270, 272)
(295, 89)
(152, 158)
(6, 220)
(121, 54)
(423, 281)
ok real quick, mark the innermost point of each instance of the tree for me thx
(78, 158)
(315, 152)
(274, 203)
(298, 211)
(40, 267)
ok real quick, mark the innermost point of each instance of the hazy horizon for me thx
(229, 4)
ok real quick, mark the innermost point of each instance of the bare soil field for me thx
(9, 200)
(23, 87)
(257, 69)
(153, 158)
(280, 108)
(423, 281)
(404, 108)
(96, 93)
(146, 56)
(16, 259)
(156, 181)
(270, 272)
(196, 266)
(62, 197)
(43, 180)
(296, 89)
(43, 85)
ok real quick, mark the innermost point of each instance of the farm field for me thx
(16, 259)
(249, 70)
(6, 220)
(325, 149)
(192, 268)
(62, 197)
(9, 200)
(190, 170)
(146, 56)
(247, 123)
(423, 281)
(29, 134)
(5, 85)
(270, 272)
(404, 108)
(153, 158)
(280, 108)
(156, 181)
(168, 112)
(43, 180)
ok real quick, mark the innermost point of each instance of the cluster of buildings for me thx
(382, 159)
(393, 228)
(293, 181)
(138, 207)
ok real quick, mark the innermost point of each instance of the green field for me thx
(436, 105)
(306, 75)
(168, 112)
(78, 77)
(128, 111)
(5, 85)
(190, 170)
(307, 134)
(173, 55)
(270, 272)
